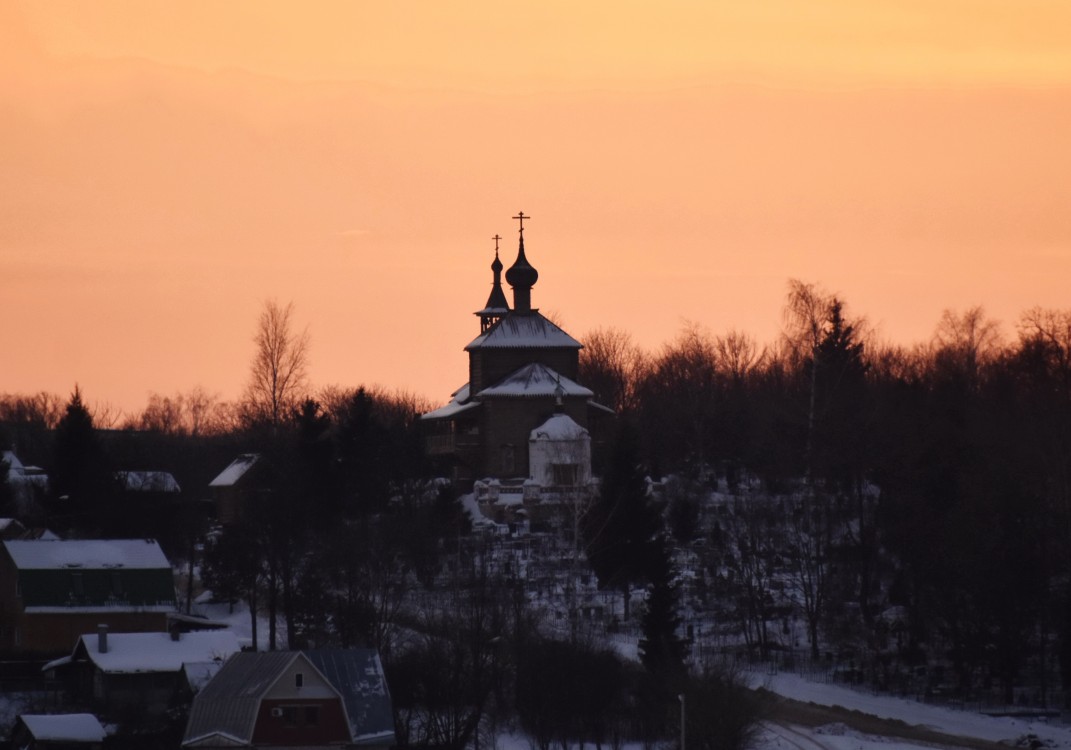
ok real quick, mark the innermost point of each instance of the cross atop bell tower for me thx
(496, 306)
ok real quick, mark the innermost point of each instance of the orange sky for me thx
(165, 168)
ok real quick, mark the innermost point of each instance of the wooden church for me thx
(522, 419)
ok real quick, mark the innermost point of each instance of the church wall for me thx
(509, 422)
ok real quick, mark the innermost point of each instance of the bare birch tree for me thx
(278, 376)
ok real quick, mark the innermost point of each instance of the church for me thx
(522, 426)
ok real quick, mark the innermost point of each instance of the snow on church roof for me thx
(558, 427)
(534, 380)
(459, 402)
(524, 330)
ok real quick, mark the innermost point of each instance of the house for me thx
(28, 484)
(315, 698)
(523, 370)
(151, 482)
(236, 486)
(57, 732)
(119, 674)
(53, 591)
(12, 528)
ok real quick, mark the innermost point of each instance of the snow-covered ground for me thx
(1005, 730)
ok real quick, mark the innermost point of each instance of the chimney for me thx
(102, 639)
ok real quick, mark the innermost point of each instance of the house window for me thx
(565, 474)
(77, 586)
(299, 716)
(299, 679)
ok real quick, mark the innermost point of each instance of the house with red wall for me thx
(315, 698)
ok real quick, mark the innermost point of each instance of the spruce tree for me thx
(621, 525)
(81, 479)
(661, 650)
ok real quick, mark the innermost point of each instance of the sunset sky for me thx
(167, 167)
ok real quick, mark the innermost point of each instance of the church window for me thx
(565, 474)
(509, 459)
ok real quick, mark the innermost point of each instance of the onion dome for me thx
(522, 276)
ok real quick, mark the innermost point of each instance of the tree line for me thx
(934, 478)
(964, 437)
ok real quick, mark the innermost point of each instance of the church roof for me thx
(534, 380)
(452, 409)
(527, 330)
(559, 427)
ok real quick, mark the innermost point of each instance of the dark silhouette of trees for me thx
(661, 648)
(81, 477)
(610, 365)
(621, 526)
(569, 692)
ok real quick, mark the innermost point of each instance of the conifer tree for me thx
(621, 525)
(661, 650)
(81, 477)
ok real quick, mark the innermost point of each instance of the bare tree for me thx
(609, 364)
(279, 372)
(967, 341)
(805, 315)
(738, 355)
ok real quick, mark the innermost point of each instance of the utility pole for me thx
(680, 697)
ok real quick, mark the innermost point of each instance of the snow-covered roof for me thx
(358, 676)
(235, 471)
(87, 554)
(559, 427)
(147, 481)
(452, 409)
(11, 523)
(524, 330)
(156, 652)
(198, 673)
(12, 461)
(64, 727)
(459, 403)
(534, 380)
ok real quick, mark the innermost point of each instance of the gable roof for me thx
(87, 554)
(524, 330)
(227, 706)
(357, 674)
(131, 653)
(92, 575)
